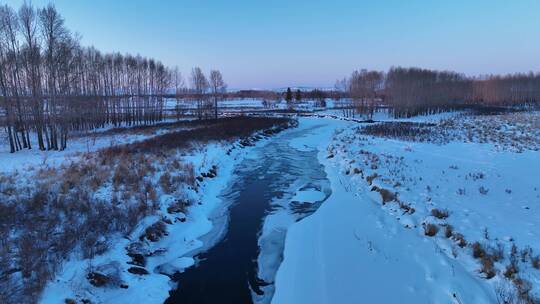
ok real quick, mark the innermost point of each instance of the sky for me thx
(279, 43)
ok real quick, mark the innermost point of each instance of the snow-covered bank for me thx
(75, 223)
(349, 251)
(170, 254)
(378, 230)
(30, 159)
(182, 238)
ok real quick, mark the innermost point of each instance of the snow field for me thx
(482, 193)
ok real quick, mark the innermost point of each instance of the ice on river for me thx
(306, 188)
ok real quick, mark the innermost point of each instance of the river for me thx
(280, 183)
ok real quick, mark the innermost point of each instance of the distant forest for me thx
(413, 91)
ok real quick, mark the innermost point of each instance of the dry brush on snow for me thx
(464, 182)
(74, 210)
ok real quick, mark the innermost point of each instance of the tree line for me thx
(413, 91)
(50, 85)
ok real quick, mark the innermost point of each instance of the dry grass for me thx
(431, 229)
(154, 232)
(411, 131)
(535, 262)
(179, 206)
(448, 231)
(222, 129)
(166, 183)
(371, 177)
(386, 195)
(60, 209)
(511, 269)
(460, 239)
(406, 207)
(478, 250)
(488, 267)
(440, 214)
(517, 131)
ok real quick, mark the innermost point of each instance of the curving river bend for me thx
(280, 183)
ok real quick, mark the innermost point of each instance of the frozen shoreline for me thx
(349, 251)
(204, 226)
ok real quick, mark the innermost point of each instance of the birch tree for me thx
(199, 85)
(218, 87)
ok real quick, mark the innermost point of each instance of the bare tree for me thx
(363, 87)
(55, 36)
(8, 60)
(179, 84)
(31, 57)
(50, 85)
(199, 85)
(218, 87)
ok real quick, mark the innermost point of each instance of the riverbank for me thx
(350, 252)
(437, 210)
(138, 266)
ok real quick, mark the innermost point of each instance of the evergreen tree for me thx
(298, 96)
(288, 96)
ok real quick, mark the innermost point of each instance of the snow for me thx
(242, 102)
(354, 248)
(29, 159)
(350, 251)
(347, 252)
(309, 195)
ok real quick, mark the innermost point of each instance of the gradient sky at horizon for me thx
(273, 44)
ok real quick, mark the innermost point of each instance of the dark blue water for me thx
(228, 272)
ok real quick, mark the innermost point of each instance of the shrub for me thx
(97, 279)
(179, 206)
(221, 129)
(448, 229)
(70, 178)
(27, 254)
(96, 180)
(431, 229)
(440, 214)
(120, 174)
(511, 269)
(483, 190)
(535, 262)
(386, 195)
(406, 208)
(150, 191)
(524, 288)
(478, 250)
(460, 239)
(488, 267)
(187, 174)
(138, 270)
(165, 182)
(411, 131)
(371, 177)
(497, 253)
(527, 252)
(154, 232)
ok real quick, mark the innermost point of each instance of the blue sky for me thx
(270, 44)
